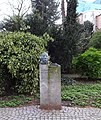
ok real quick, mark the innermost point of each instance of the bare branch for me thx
(26, 11)
(19, 9)
(12, 6)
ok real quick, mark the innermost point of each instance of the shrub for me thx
(95, 41)
(6, 81)
(89, 63)
(19, 56)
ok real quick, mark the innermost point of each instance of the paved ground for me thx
(34, 113)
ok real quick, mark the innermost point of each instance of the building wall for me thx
(98, 22)
(89, 15)
(80, 18)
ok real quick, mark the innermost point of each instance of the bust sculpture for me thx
(44, 58)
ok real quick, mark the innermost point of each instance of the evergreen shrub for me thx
(89, 63)
(19, 57)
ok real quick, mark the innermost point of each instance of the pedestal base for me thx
(50, 107)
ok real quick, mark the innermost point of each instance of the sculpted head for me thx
(44, 58)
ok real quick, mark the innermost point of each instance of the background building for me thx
(93, 16)
(98, 22)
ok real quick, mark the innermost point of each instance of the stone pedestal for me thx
(50, 86)
(44, 99)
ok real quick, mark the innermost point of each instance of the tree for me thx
(66, 38)
(88, 28)
(44, 15)
(55, 48)
(63, 10)
(95, 41)
(71, 34)
(47, 9)
(36, 24)
(16, 21)
(86, 34)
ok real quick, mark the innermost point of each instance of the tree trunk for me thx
(63, 10)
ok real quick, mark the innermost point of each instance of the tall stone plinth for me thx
(50, 87)
(54, 76)
(44, 99)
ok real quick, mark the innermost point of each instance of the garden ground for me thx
(80, 101)
(78, 94)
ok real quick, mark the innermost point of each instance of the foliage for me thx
(71, 34)
(86, 34)
(16, 22)
(89, 63)
(78, 94)
(47, 10)
(83, 43)
(19, 56)
(66, 39)
(6, 81)
(88, 26)
(55, 47)
(95, 41)
(14, 101)
(35, 23)
(83, 94)
(44, 15)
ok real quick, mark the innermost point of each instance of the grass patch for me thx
(14, 101)
(83, 94)
(79, 95)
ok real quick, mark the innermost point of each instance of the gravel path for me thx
(34, 113)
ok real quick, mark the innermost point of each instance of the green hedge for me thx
(19, 58)
(89, 63)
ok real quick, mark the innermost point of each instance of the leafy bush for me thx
(15, 101)
(6, 80)
(89, 63)
(19, 56)
(95, 41)
(2, 83)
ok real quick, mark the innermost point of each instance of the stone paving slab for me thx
(34, 113)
